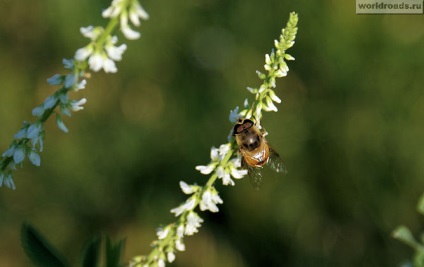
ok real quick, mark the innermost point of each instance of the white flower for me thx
(34, 131)
(91, 32)
(188, 205)
(55, 79)
(129, 33)
(180, 231)
(68, 63)
(49, 102)
(137, 11)
(258, 110)
(61, 124)
(34, 158)
(114, 9)
(83, 53)
(209, 200)
(162, 233)
(115, 52)
(273, 96)
(179, 245)
(77, 105)
(22, 133)
(206, 169)
(224, 175)
(223, 150)
(187, 189)
(81, 85)
(161, 262)
(109, 66)
(171, 256)
(70, 80)
(8, 181)
(193, 223)
(38, 111)
(234, 115)
(269, 105)
(9, 152)
(235, 170)
(19, 155)
(96, 61)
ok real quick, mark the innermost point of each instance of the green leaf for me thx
(39, 250)
(403, 234)
(420, 206)
(91, 253)
(114, 253)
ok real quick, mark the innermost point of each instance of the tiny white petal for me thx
(76, 106)
(234, 115)
(38, 111)
(205, 169)
(9, 152)
(269, 106)
(81, 85)
(87, 31)
(187, 189)
(223, 150)
(161, 263)
(83, 53)
(179, 245)
(115, 52)
(49, 102)
(33, 131)
(34, 158)
(68, 63)
(130, 33)
(180, 231)
(163, 233)
(214, 153)
(178, 210)
(21, 134)
(107, 13)
(288, 57)
(55, 80)
(19, 155)
(109, 66)
(70, 80)
(8, 181)
(274, 97)
(134, 18)
(96, 62)
(60, 124)
(141, 12)
(171, 256)
(267, 59)
(238, 174)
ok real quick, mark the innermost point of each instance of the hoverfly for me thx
(255, 151)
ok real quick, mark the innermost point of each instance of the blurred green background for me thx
(350, 130)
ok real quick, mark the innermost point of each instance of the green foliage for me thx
(90, 256)
(39, 250)
(43, 254)
(403, 234)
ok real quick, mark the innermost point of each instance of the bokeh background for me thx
(350, 130)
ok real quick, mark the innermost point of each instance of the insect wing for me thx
(275, 162)
(254, 173)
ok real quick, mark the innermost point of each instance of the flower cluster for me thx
(223, 171)
(224, 164)
(276, 67)
(100, 53)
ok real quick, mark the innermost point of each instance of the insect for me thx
(255, 151)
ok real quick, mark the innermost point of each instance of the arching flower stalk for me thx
(225, 162)
(101, 53)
